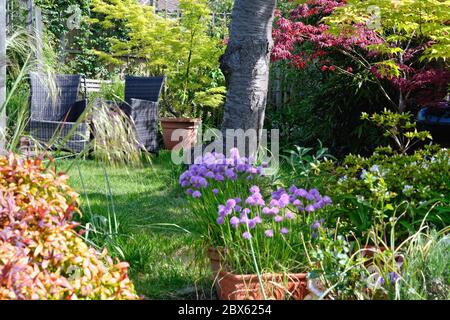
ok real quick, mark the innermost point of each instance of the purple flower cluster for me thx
(216, 167)
(281, 207)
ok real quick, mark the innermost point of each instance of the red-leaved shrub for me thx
(41, 255)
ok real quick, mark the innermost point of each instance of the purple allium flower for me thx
(231, 203)
(238, 200)
(301, 193)
(196, 194)
(215, 191)
(269, 233)
(310, 197)
(202, 182)
(184, 183)
(297, 203)
(254, 189)
(250, 200)
(393, 277)
(230, 174)
(292, 189)
(252, 170)
(278, 219)
(309, 208)
(246, 235)
(315, 225)
(189, 191)
(219, 177)
(237, 208)
(327, 200)
(257, 219)
(274, 203)
(234, 153)
(284, 200)
(289, 215)
(266, 210)
(314, 235)
(246, 211)
(251, 223)
(220, 220)
(209, 175)
(244, 219)
(284, 231)
(319, 204)
(234, 221)
(275, 210)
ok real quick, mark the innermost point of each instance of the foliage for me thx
(425, 273)
(180, 49)
(21, 59)
(73, 37)
(380, 41)
(415, 269)
(41, 256)
(115, 141)
(324, 106)
(399, 127)
(304, 164)
(417, 186)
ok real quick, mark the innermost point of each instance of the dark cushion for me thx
(75, 112)
(145, 117)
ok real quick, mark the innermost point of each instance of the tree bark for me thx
(245, 65)
(2, 75)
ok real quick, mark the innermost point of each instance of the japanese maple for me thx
(380, 40)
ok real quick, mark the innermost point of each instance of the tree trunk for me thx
(245, 65)
(2, 75)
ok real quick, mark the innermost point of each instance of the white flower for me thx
(407, 189)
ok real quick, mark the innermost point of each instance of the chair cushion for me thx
(145, 117)
(74, 112)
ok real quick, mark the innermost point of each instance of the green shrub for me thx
(419, 187)
(41, 255)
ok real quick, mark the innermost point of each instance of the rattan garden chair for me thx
(55, 118)
(141, 105)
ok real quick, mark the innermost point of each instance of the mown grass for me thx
(154, 224)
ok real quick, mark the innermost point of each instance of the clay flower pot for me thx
(246, 287)
(231, 286)
(188, 137)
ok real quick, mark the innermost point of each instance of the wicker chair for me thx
(54, 120)
(141, 105)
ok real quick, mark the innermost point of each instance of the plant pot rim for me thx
(190, 120)
(264, 276)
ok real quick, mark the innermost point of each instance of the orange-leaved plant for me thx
(41, 254)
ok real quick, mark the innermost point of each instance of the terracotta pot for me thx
(230, 286)
(189, 136)
(246, 287)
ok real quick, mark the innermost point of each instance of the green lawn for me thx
(154, 224)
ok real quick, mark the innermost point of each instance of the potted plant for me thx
(258, 234)
(180, 132)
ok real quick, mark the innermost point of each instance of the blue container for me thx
(437, 121)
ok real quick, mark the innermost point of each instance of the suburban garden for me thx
(345, 194)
